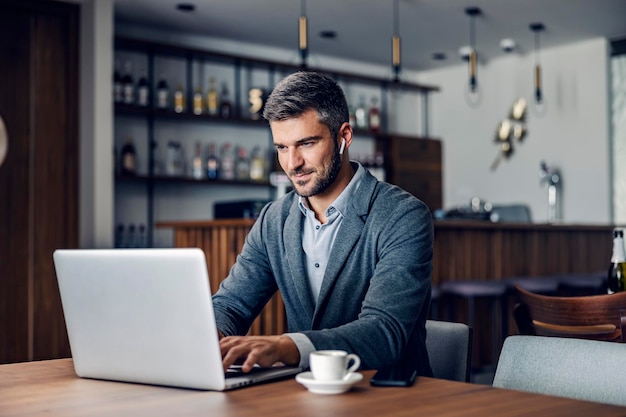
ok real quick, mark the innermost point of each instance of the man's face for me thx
(307, 153)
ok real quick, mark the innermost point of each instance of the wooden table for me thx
(51, 388)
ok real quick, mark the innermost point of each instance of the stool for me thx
(435, 296)
(576, 285)
(495, 291)
(547, 285)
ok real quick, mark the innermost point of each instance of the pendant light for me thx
(303, 34)
(472, 92)
(395, 42)
(539, 107)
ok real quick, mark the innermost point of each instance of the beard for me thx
(321, 181)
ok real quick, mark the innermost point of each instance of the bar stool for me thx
(576, 285)
(546, 285)
(495, 292)
(435, 296)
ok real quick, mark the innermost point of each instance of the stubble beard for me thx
(321, 182)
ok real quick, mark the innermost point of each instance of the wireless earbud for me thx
(343, 145)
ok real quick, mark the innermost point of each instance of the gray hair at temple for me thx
(305, 90)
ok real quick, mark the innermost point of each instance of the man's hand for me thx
(264, 350)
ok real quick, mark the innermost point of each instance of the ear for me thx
(344, 137)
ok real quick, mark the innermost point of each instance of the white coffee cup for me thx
(332, 365)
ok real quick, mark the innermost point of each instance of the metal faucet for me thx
(552, 177)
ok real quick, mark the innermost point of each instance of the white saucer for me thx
(328, 387)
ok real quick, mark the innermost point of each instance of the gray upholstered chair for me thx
(449, 347)
(588, 370)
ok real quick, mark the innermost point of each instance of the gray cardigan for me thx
(375, 295)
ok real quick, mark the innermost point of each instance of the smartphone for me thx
(394, 378)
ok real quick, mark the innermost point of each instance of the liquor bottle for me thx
(212, 98)
(227, 162)
(617, 270)
(163, 94)
(360, 114)
(142, 241)
(131, 240)
(257, 165)
(242, 167)
(179, 99)
(118, 96)
(197, 170)
(212, 163)
(256, 98)
(352, 116)
(197, 101)
(374, 116)
(226, 107)
(128, 157)
(143, 90)
(128, 86)
(119, 236)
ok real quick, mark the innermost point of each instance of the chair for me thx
(599, 317)
(588, 370)
(449, 347)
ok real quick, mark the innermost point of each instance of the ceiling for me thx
(364, 27)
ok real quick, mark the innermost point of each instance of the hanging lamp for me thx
(395, 42)
(539, 106)
(472, 92)
(303, 34)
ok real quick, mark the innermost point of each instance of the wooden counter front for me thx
(464, 250)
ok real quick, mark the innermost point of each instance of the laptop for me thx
(146, 316)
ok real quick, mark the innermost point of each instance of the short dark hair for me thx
(305, 90)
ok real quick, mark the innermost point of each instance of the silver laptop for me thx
(146, 316)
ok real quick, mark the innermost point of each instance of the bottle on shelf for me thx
(212, 162)
(197, 164)
(360, 114)
(226, 107)
(174, 163)
(352, 116)
(197, 101)
(118, 95)
(256, 98)
(128, 155)
(374, 116)
(142, 241)
(128, 86)
(131, 239)
(617, 270)
(257, 165)
(143, 90)
(179, 99)
(242, 168)
(227, 162)
(119, 236)
(212, 98)
(163, 94)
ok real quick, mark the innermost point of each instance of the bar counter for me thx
(464, 250)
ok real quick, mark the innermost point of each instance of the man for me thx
(351, 256)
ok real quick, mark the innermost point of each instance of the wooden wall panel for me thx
(39, 181)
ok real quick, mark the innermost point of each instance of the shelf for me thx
(163, 179)
(133, 110)
(199, 54)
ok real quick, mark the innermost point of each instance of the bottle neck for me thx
(619, 255)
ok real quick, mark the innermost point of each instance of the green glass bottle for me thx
(617, 270)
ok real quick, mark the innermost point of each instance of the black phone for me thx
(394, 378)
